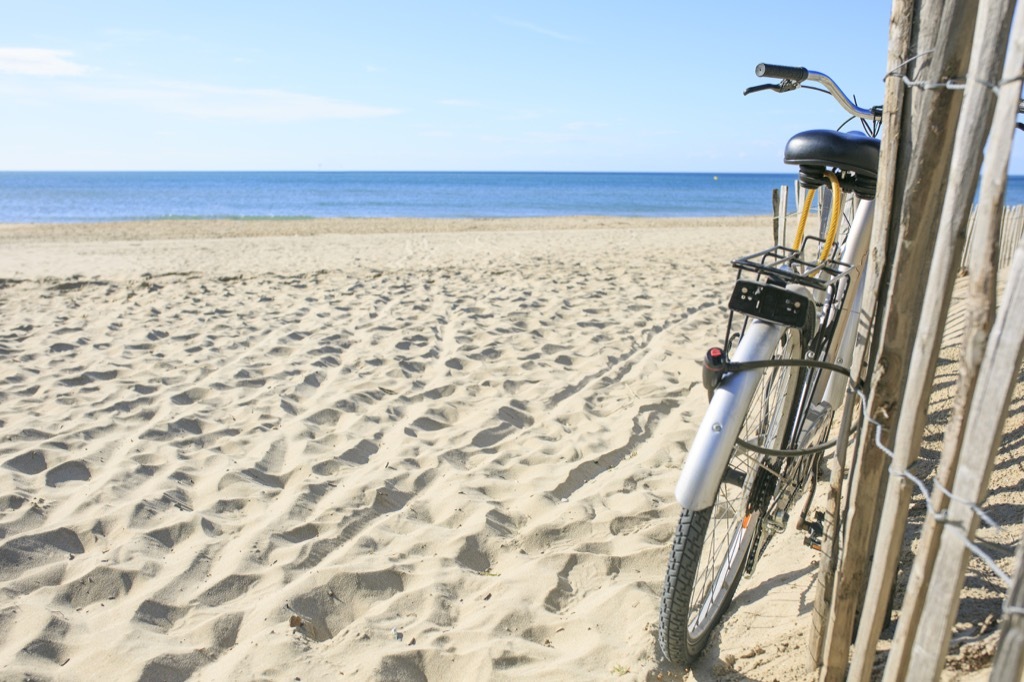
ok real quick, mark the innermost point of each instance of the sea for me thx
(66, 197)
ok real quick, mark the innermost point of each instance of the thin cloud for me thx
(538, 29)
(208, 101)
(198, 100)
(35, 61)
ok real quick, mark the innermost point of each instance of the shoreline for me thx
(228, 228)
(123, 251)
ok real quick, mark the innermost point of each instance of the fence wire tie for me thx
(940, 516)
(980, 553)
(1012, 79)
(952, 83)
(948, 84)
(899, 66)
(943, 516)
(982, 514)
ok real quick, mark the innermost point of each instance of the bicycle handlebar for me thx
(791, 73)
(793, 76)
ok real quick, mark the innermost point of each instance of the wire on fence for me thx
(949, 83)
(941, 516)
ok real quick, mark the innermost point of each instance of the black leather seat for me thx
(849, 152)
(855, 156)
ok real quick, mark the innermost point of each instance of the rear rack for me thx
(781, 265)
(782, 286)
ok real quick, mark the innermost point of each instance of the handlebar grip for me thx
(793, 73)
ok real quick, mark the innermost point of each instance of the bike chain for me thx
(761, 492)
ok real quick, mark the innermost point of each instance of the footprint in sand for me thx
(417, 340)
(471, 556)
(89, 377)
(325, 417)
(75, 470)
(326, 610)
(360, 453)
(30, 463)
(512, 418)
(189, 397)
(31, 550)
(103, 583)
(435, 418)
(159, 615)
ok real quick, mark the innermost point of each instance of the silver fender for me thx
(711, 447)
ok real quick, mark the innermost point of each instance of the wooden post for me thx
(970, 236)
(1018, 226)
(1018, 230)
(784, 203)
(896, 143)
(824, 197)
(980, 314)
(918, 212)
(987, 59)
(1003, 248)
(775, 215)
(830, 543)
(982, 435)
(801, 193)
(1008, 665)
(1010, 234)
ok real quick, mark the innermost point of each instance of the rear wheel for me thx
(711, 546)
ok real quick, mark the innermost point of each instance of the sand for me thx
(369, 450)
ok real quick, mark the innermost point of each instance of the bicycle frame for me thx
(716, 437)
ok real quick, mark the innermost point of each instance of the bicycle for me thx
(776, 382)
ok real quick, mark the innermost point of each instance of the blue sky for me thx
(403, 85)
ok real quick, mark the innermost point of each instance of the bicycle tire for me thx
(711, 546)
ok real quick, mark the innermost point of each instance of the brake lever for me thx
(759, 88)
(784, 85)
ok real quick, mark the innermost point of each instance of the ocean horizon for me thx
(102, 196)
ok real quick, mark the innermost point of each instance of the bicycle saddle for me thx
(854, 153)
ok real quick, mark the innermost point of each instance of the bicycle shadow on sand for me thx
(760, 591)
(713, 665)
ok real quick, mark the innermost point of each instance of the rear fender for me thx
(709, 452)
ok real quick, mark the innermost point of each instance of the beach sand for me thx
(370, 450)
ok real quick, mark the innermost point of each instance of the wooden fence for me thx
(952, 92)
(1011, 228)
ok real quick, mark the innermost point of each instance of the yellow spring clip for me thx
(833, 218)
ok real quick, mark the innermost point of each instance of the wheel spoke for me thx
(713, 547)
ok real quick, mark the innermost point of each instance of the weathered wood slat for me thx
(982, 434)
(827, 651)
(920, 176)
(1008, 665)
(987, 57)
(1011, 231)
(980, 312)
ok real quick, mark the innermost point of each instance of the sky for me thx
(650, 86)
